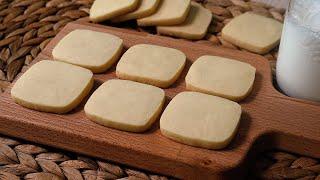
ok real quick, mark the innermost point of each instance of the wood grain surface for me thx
(269, 118)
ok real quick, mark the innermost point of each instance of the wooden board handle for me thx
(293, 125)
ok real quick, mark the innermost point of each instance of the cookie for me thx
(194, 27)
(102, 10)
(52, 86)
(93, 50)
(146, 8)
(125, 105)
(222, 77)
(170, 12)
(151, 64)
(200, 120)
(253, 32)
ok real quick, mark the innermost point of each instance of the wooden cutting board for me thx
(270, 118)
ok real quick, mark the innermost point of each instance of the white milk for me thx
(298, 66)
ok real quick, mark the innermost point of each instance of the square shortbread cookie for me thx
(125, 105)
(90, 49)
(253, 32)
(194, 27)
(220, 76)
(52, 86)
(102, 10)
(170, 12)
(201, 120)
(146, 8)
(151, 64)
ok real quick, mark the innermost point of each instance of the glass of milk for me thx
(298, 65)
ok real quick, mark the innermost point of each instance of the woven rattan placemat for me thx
(26, 27)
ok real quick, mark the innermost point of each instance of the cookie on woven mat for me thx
(52, 86)
(222, 77)
(145, 8)
(151, 64)
(170, 12)
(200, 120)
(253, 32)
(102, 10)
(125, 105)
(93, 50)
(194, 27)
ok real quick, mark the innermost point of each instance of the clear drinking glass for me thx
(298, 65)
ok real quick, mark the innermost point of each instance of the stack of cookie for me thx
(179, 18)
